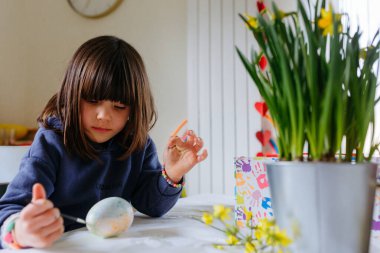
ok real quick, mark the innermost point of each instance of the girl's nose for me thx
(103, 114)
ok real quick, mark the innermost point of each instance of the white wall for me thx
(38, 37)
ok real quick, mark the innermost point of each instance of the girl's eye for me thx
(120, 107)
(92, 101)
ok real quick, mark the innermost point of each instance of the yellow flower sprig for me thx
(326, 21)
(252, 22)
(266, 235)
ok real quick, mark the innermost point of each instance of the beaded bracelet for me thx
(170, 182)
(8, 238)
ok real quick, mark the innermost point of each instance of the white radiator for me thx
(220, 94)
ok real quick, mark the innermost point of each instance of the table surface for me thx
(177, 231)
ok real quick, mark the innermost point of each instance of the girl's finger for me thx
(46, 219)
(186, 143)
(34, 209)
(202, 156)
(178, 144)
(173, 154)
(38, 192)
(172, 141)
(187, 134)
(46, 241)
(55, 235)
(52, 228)
(198, 144)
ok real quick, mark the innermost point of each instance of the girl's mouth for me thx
(101, 129)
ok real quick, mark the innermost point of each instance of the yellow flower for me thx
(249, 247)
(326, 21)
(221, 212)
(282, 238)
(252, 22)
(265, 224)
(232, 240)
(217, 246)
(259, 234)
(207, 218)
(266, 235)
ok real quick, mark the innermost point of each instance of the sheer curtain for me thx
(364, 13)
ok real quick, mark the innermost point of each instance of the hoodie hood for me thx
(55, 123)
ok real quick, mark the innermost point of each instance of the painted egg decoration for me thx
(110, 217)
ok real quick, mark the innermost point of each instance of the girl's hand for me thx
(40, 224)
(182, 155)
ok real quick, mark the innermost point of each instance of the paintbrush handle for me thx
(175, 132)
(69, 217)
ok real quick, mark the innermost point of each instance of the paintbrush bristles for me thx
(69, 217)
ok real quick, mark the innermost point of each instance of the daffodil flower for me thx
(326, 21)
(252, 22)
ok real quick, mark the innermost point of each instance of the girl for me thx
(93, 143)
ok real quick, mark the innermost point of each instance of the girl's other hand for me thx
(40, 224)
(181, 155)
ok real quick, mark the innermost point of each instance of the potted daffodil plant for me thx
(320, 88)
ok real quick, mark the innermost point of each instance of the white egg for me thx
(110, 217)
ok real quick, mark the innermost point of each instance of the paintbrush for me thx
(179, 127)
(69, 217)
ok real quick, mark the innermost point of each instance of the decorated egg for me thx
(110, 217)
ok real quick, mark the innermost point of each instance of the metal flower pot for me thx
(328, 204)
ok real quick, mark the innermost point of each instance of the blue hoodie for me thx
(74, 185)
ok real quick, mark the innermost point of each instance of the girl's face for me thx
(102, 120)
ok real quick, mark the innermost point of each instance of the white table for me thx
(174, 232)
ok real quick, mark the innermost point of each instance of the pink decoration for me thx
(264, 136)
(262, 181)
(262, 108)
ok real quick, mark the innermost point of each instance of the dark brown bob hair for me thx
(103, 68)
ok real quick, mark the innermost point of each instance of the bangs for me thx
(110, 81)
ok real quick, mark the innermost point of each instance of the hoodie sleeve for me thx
(38, 165)
(153, 196)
